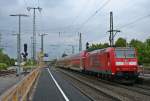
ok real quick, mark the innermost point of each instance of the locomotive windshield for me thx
(127, 53)
(130, 53)
(120, 54)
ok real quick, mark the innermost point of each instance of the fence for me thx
(20, 91)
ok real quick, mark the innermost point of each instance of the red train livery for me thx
(119, 63)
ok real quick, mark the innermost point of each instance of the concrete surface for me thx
(7, 81)
(47, 90)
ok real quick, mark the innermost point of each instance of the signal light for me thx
(87, 45)
(25, 48)
(25, 54)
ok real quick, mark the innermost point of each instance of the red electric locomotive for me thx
(113, 62)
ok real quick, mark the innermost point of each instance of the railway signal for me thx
(87, 46)
(25, 48)
(25, 54)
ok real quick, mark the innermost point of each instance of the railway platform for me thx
(52, 86)
(7, 81)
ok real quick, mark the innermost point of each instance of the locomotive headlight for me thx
(132, 63)
(119, 63)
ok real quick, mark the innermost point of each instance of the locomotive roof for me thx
(96, 51)
(110, 48)
(124, 48)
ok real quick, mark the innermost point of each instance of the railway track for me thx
(7, 72)
(112, 90)
(90, 91)
(142, 86)
(144, 90)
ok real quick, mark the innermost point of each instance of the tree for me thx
(105, 45)
(147, 42)
(121, 42)
(98, 46)
(147, 51)
(5, 59)
(12, 61)
(140, 47)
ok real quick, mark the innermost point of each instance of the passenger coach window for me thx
(120, 54)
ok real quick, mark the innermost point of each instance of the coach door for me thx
(81, 63)
(108, 62)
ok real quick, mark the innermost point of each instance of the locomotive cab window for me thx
(120, 54)
(130, 54)
(125, 53)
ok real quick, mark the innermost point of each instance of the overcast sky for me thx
(70, 17)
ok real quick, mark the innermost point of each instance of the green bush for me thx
(30, 62)
(3, 66)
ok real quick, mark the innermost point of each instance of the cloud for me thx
(66, 16)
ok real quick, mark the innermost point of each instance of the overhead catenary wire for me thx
(97, 11)
(131, 23)
(70, 26)
(134, 21)
(78, 15)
